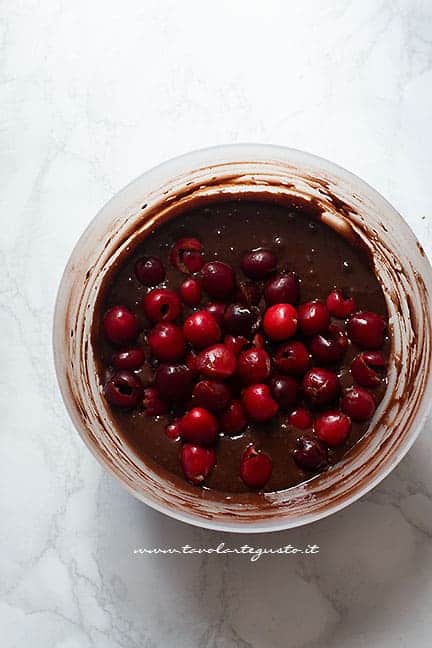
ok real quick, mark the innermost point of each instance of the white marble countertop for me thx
(92, 94)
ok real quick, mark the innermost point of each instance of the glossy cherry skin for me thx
(300, 418)
(259, 263)
(218, 279)
(166, 342)
(292, 358)
(216, 362)
(149, 271)
(217, 309)
(359, 404)
(258, 403)
(190, 292)
(238, 319)
(284, 288)
(255, 468)
(199, 426)
(120, 325)
(162, 305)
(330, 347)
(253, 366)
(366, 329)
(310, 453)
(285, 391)
(201, 329)
(233, 419)
(187, 255)
(173, 381)
(172, 431)
(313, 317)
(197, 462)
(153, 403)
(123, 389)
(321, 386)
(236, 343)
(211, 395)
(364, 368)
(338, 306)
(280, 322)
(129, 359)
(332, 427)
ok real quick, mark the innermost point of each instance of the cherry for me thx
(364, 365)
(216, 309)
(292, 358)
(313, 317)
(190, 292)
(236, 344)
(283, 288)
(149, 271)
(201, 329)
(255, 467)
(238, 319)
(259, 263)
(310, 453)
(248, 293)
(187, 255)
(197, 462)
(285, 390)
(173, 431)
(253, 366)
(366, 329)
(329, 348)
(216, 362)
(130, 359)
(300, 418)
(153, 403)
(211, 395)
(332, 427)
(173, 381)
(338, 306)
(123, 389)
(280, 322)
(199, 426)
(166, 342)
(358, 403)
(218, 279)
(258, 341)
(162, 305)
(321, 386)
(120, 325)
(258, 403)
(233, 419)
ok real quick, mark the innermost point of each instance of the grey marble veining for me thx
(91, 95)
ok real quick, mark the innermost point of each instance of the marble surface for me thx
(92, 94)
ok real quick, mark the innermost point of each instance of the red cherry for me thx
(211, 395)
(123, 389)
(238, 319)
(366, 329)
(364, 365)
(153, 403)
(259, 263)
(233, 419)
(284, 288)
(187, 255)
(129, 359)
(162, 305)
(120, 325)
(300, 418)
(218, 279)
(359, 404)
(216, 309)
(197, 462)
(149, 271)
(190, 292)
(258, 341)
(201, 329)
(285, 390)
(173, 381)
(338, 306)
(329, 348)
(236, 343)
(292, 358)
(313, 317)
(255, 468)
(173, 431)
(310, 453)
(166, 342)
(216, 362)
(258, 403)
(253, 366)
(332, 427)
(280, 322)
(199, 426)
(321, 386)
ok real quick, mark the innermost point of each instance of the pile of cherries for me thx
(247, 355)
